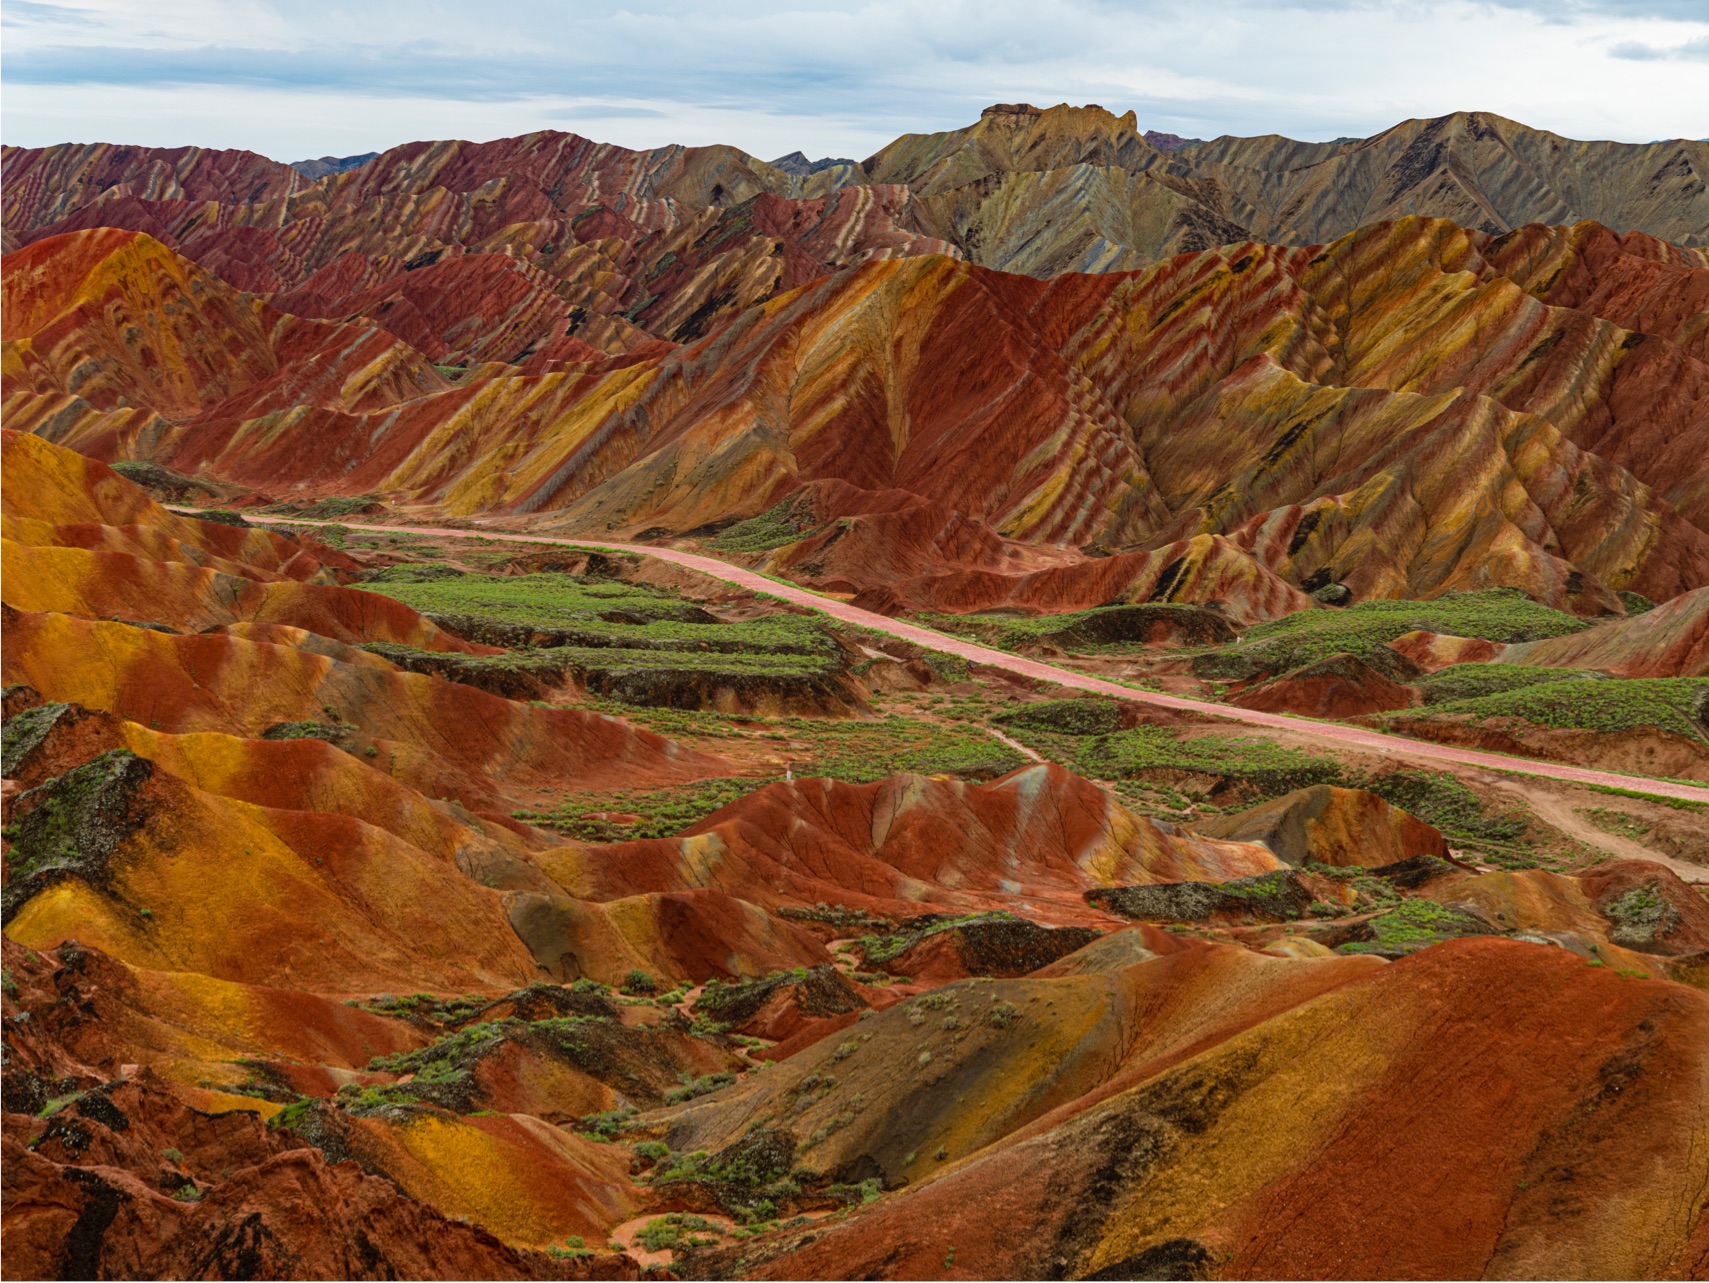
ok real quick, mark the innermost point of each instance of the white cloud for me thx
(311, 77)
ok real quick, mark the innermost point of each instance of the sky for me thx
(300, 78)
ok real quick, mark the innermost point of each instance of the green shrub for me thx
(782, 523)
(1067, 717)
(1474, 681)
(1282, 645)
(693, 1088)
(1272, 768)
(1672, 704)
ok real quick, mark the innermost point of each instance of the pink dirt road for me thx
(1331, 732)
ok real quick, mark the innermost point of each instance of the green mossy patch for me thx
(1365, 628)
(1278, 896)
(636, 645)
(584, 607)
(26, 732)
(783, 523)
(1476, 681)
(877, 950)
(1640, 918)
(658, 813)
(1675, 705)
(638, 1062)
(818, 991)
(1067, 717)
(1102, 628)
(332, 508)
(71, 826)
(1415, 925)
(1268, 768)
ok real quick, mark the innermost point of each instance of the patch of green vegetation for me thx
(692, 1088)
(425, 1007)
(860, 752)
(640, 982)
(331, 508)
(224, 516)
(548, 600)
(879, 949)
(331, 732)
(722, 996)
(1440, 799)
(72, 825)
(1672, 704)
(839, 916)
(782, 523)
(1475, 681)
(1616, 822)
(611, 1122)
(638, 645)
(1415, 924)
(1635, 602)
(1270, 768)
(24, 733)
(1676, 803)
(1002, 1014)
(574, 1249)
(1067, 717)
(677, 1231)
(1080, 628)
(443, 1070)
(1282, 645)
(1639, 916)
(410, 573)
(551, 663)
(662, 812)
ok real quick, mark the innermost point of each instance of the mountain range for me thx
(1055, 702)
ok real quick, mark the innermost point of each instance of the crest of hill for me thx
(1024, 189)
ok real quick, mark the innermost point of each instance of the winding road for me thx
(1333, 733)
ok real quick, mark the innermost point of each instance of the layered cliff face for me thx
(1410, 410)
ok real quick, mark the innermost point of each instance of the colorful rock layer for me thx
(1406, 411)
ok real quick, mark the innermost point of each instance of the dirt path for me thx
(1559, 813)
(1015, 744)
(1442, 756)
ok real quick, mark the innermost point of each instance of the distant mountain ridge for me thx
(796, 164)
(331, 164)
(1029, 189)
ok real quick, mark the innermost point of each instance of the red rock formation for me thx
(1238, 449)
(1339, 686)
(1344, 828)
(886, 846)
(1670, 641)
(1474, 1059)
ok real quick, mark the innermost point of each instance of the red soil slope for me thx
(1241, 423)
(1040, 833)
(1482, 1108)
